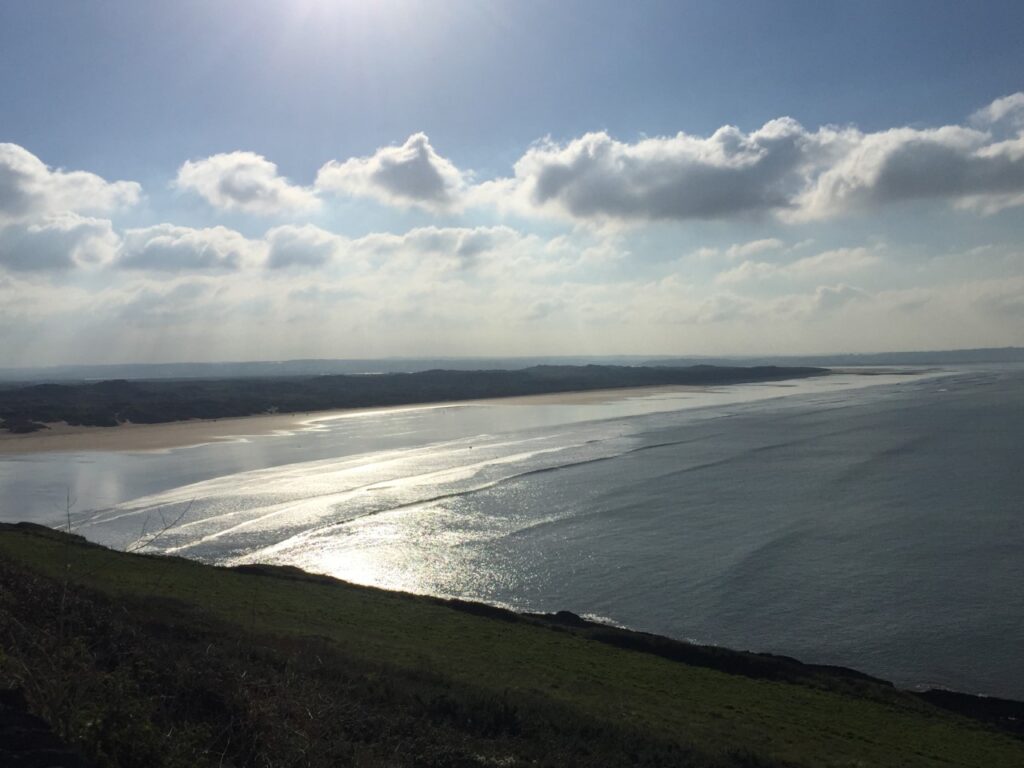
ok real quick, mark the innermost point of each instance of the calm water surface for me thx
(879, 527)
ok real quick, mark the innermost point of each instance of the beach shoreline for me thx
(61, 437)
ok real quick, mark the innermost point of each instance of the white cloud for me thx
(466, 244)
(747, 271)
(1010, 108)
(29, 189)
(420, 253)
(158, 307)
(729, 173)
(830, 298)
(835, 262)
(57, 243)
(839, 261)
(1001, 299)
(668, 301)
(169, 248)
(738, 251)
(246, 182)
(459, 247)
(746, 250)
(413, 174)
(780, 169)
(903, 164)
(721, 308)
(301, 246)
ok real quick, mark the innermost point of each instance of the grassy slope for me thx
(717, 713)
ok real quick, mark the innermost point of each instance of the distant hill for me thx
(941, 357)
(331, 367)
(268, 368)
(109, 403)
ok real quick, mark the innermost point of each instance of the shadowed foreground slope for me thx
(142, 660)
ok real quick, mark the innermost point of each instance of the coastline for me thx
(61, 437)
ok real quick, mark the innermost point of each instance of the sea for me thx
(870, 519)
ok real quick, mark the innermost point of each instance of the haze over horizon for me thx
(278, 180)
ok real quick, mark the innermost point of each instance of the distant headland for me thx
(29, 408)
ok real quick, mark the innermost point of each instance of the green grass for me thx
(524, 666)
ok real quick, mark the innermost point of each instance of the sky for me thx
(282, 179)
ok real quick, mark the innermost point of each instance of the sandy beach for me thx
(178, 434)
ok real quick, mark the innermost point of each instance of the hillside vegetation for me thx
(156, 661)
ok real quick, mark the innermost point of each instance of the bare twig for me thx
(143, 543)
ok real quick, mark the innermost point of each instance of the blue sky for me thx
(398, 177)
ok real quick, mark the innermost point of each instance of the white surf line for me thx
(280, 473)
(324, 530)
(456, 473)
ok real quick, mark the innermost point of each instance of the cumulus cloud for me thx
(413, 174)
(781, 169)
(720, 308)
(835, 262)
(999, 299)
(738, 251)
(161, 306)
(727, 174)
(169, 248)
(301, 246)
(727, 308)
(1009, 108)
(246, 182)
(305, 248)
(29, 189)
(747, 271)
(57, 243)
(828, 298)
(903, 164)
(460, 246)
(754, 247)
(464, 243)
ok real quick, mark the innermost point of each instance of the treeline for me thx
(109, 403)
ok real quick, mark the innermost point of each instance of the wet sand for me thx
(178, 434)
